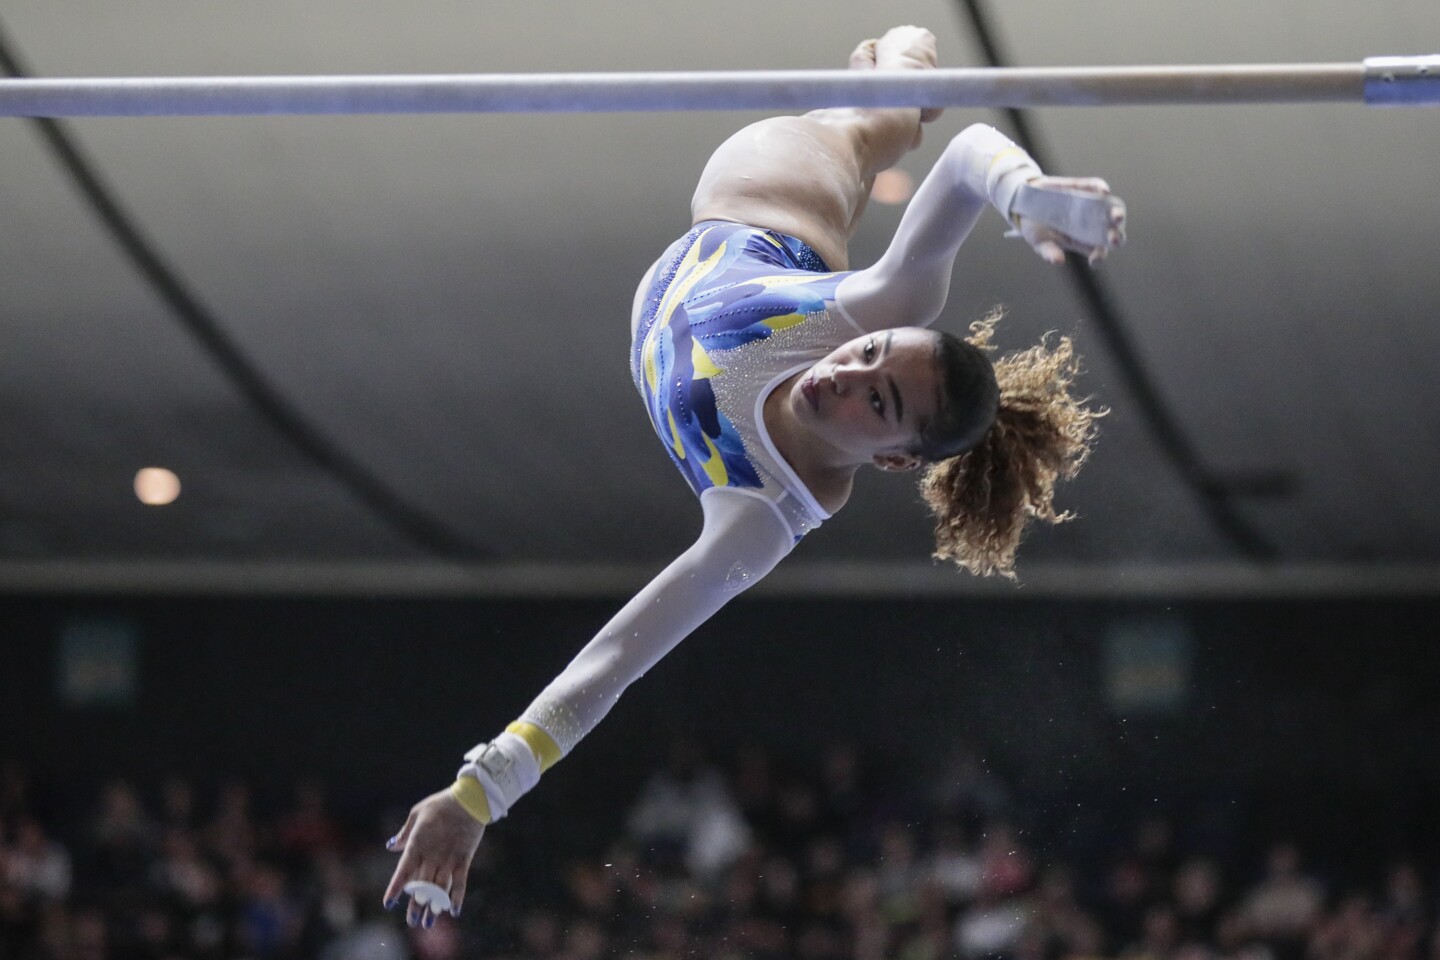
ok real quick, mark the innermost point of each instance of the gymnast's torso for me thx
(728, 314)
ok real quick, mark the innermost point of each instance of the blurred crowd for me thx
(744, 857)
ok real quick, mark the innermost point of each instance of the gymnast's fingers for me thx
(1046, 239)
(863, 57)
(403, 874)
(401, 839)
(405, 871)
(399, 843)
(1093, 185)
(458, 881)
(419, 914)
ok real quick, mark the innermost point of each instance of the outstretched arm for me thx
(980, 166)
(742, 540)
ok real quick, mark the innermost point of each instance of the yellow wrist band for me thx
(1007, 151)
(471, 796)
(546, 750)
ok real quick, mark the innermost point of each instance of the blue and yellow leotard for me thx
(730, 312)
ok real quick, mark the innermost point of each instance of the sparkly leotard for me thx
(730, 312)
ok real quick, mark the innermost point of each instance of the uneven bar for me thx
(1402, 81)
(1389, 80)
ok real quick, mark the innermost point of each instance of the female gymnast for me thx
(772, 374)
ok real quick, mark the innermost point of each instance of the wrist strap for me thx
(1009, 171)
(505, 768)
(996, 164)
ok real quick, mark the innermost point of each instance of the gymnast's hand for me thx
(1078, 214)
(436, 844)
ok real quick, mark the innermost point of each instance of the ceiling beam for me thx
(425, 580)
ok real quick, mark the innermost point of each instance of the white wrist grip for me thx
(1083, 216)
(1007, 166)
(506, 769)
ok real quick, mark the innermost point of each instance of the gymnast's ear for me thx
(896, 462)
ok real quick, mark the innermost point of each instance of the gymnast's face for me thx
(869, 398)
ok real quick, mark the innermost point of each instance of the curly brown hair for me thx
(983, 498)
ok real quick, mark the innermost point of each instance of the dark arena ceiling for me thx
(389, 353)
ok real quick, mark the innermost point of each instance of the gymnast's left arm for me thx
(742, 540)
(908, 285)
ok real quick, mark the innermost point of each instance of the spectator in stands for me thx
(256, 887)
(307, 830)
(1404, 910)
(15, 791)
(991, 925)
(1127, 898)
(177, 803)
(953, 865)
(17, 920)
(1235, 941)
(37, 866)
(686, 807)
(899, 873)
(1351, 932)
(269, 921)
(123, 837)
(1283, 908)
(964, 789)
(373, 939)
(1159, 935)
(845, 800)
(233, 834)
(1196, 891)
(1058, 926)
(183, 876)
(754, 790)
(1005, 865)
(1154, 849)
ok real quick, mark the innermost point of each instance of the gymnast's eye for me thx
(877, 402)
(869, 349)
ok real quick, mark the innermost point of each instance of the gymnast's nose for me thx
(843, 378)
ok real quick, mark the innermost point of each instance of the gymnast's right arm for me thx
(742, 540)
(980, 166)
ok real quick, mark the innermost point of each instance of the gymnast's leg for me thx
(809, 176)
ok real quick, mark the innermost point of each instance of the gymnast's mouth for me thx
(807, 387)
